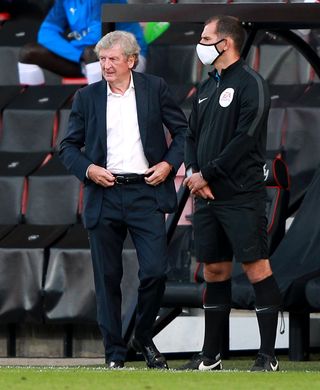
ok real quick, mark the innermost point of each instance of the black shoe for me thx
(202, 363)
(265, 363)
(115, 364)
(152, 356)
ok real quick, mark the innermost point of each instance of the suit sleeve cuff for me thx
(87, 171)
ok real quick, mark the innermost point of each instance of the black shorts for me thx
(225, 230)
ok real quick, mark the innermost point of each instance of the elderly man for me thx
(128, 170)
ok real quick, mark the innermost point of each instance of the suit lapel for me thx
(100, 108)
(142, 101)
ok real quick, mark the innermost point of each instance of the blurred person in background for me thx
(66, 40)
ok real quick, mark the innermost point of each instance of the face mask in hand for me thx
(208, 53)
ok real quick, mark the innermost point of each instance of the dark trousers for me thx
(133, 208)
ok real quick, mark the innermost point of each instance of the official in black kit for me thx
(225, 157)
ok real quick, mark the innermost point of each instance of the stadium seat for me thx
(313, 293)
(30, 121)
(69, 287)
(13, 35)
(302, 139)
(52, 205)
(11, 193)
(69, 293)
(291, 132)
(7, 94)
(277, 186)
(14, 169)
(64, 114)
(5, 229)
(295, 262)
(4, 16)
(278, 61)
(53, 195)
(22, 266)
(173, 57)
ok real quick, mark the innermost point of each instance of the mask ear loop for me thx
(215, 44)
(212, 44)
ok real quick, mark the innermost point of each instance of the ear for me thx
(131, 61)
(228, 42)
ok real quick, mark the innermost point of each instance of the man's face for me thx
(209, 36)
(115, 66)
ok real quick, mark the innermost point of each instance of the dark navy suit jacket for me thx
(85, 141)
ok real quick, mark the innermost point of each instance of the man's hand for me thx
(204, 193)
(158, 173)
(100, 176)
(198, 186)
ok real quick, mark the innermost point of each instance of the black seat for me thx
(69, 292)
(22, 267)
(173, 57)
(277, 187)
(53, 195)
(313, 293)
(13, 35)
(11, 193)
(31, 121)
(7, 94)
(295, 262)
(52, 206)
(5, 230)
(302, 140)
(14, 170)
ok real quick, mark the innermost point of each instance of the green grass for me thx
(293, 375)
(81, 379)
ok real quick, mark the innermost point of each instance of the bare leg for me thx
(33, 53)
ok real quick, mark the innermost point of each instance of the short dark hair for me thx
(229, 26)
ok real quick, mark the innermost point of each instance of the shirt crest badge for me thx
(226, 97)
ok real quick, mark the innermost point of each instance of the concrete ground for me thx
(50, 362)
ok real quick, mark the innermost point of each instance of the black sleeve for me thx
(254, 108)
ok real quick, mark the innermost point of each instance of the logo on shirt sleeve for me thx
(226, 97)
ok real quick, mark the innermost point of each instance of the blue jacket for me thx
(83, 19)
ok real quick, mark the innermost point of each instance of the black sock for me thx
(217, 304)
(268, 303)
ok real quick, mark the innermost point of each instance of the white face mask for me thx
(208, 53)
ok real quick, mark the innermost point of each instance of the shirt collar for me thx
(229, 69)
(131, 86)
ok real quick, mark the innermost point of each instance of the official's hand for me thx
(205, 193)
(198, 186)
(101, 176)
(158, 173)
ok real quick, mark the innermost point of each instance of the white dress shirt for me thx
(124, 148)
